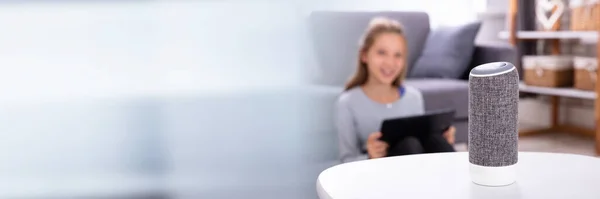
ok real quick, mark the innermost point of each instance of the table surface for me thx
(446, 175)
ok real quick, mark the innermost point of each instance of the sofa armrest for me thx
(485, 53)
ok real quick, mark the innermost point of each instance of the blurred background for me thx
(173, 98)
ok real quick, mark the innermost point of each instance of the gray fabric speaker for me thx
(493, 123)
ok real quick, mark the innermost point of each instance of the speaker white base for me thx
(493, 176)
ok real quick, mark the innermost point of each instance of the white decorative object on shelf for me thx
(545, 6)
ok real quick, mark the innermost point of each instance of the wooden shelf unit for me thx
(555, 36)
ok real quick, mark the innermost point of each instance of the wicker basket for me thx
(585, 72)
(584, 14)
(548, 71)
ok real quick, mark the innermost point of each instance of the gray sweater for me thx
(357, 116)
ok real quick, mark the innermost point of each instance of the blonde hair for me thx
(376, 27)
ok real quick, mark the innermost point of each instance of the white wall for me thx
(86, 89)
(496, 5)
(98, 49)
(441, 12)
(53, 50)
(79, 80)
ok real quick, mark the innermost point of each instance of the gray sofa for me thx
(336, 36)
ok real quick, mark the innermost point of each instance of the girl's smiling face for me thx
(385, 58)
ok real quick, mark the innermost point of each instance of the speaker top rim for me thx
(492, 69)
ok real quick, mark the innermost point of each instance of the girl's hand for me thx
(375, 147)
(449, 134)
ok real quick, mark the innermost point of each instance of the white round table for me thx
(446, 175)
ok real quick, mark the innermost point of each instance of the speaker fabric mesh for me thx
(493, 119)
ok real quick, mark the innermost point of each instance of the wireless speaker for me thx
(493, 123)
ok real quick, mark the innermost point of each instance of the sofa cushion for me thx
(336, 35)
(444, 93)
(448, 52)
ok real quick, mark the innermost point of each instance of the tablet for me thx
(438, 121)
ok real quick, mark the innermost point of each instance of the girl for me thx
(375, 93)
